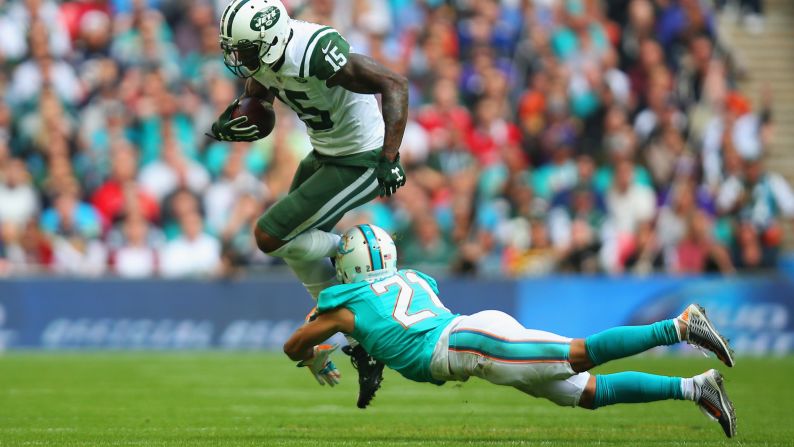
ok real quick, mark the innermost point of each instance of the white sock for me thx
(680, 327)
(689, 389)
(310, 245)
(351, 341)
(316, 275)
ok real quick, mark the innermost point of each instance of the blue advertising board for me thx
(118, 314)
(757, 313)
(159, 314)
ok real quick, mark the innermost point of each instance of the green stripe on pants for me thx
(320, 195)
(368, 192)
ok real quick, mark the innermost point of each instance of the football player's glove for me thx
(321, 367)
(227, 128)
(391, 175)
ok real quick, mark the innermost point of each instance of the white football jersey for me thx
(340, 122)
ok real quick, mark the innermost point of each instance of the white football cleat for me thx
(701, 333)
(714, 402)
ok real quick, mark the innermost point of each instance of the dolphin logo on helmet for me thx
(365, 253)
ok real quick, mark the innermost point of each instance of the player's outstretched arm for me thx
(300, 345)
(361, 74)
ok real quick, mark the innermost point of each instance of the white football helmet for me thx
(365, 253)
(253, 32)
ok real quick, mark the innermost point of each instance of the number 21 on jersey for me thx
(405, 294)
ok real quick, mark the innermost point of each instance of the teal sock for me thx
(634, 387)
(626, 341)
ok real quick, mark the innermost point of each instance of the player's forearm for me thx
(253, 89)
(300, 345)
(395, 114)
(299, 354)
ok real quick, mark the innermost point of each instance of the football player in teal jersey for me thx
(312, 69)
(399, 319)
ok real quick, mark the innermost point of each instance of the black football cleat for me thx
(370, 373)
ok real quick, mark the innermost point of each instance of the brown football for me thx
(259, 113)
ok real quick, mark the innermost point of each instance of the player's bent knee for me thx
(587, 398)
(266, 242)
(565, 393)
(577, 356)
(561, 400)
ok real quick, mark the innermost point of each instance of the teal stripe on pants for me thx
(506, 349)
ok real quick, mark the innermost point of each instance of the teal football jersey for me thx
(399, 319)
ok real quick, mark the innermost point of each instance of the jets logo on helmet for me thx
(252, 33)
(365, 253)
(265, 19)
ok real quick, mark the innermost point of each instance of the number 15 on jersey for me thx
(333, 56)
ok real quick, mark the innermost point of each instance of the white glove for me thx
(321, 367)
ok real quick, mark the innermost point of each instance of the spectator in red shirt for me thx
(491, 134)
(697, 250)
(445, 112)
(120, 192)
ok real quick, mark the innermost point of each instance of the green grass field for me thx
(254, 399)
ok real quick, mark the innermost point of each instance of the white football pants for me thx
(493, 346)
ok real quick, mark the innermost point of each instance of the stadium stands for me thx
(545, 136)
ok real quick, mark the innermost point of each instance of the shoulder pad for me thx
(326, 52)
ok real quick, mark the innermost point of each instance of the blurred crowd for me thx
(544, 136)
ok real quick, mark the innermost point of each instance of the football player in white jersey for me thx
(311, 69)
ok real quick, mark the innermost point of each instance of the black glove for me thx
(228, 129)
(391, 175)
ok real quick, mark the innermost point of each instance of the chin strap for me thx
(278, 62)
